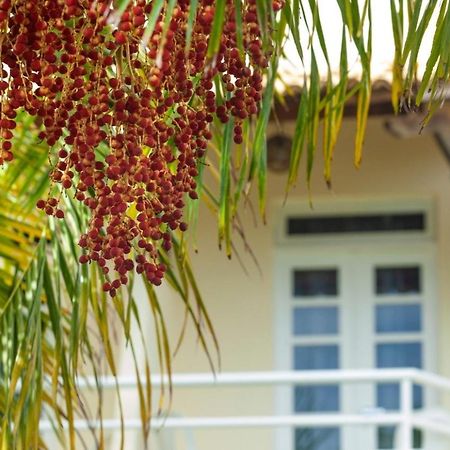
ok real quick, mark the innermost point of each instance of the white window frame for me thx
(348, 206)
(315, 250)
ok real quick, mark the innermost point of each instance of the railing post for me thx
(406, 409)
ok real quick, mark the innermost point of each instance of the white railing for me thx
(406, 418)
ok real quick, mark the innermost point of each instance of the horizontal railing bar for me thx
(259, 378)
(431, 424)
(431, 380)
(275, 378)
(242, 421)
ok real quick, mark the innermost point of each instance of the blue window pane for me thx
(388, 396)
(386, 438)
(397, 280)
(317, 282)
(326, 438)
(399, 355)
(316, 357)
(316, 398)
(398, 318)
(317, 320)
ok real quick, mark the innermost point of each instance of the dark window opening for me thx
(397, 280)
(356, 224)
(315, 282)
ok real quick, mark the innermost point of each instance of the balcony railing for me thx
(406, 418)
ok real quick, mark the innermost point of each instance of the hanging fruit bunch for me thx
(137, 84)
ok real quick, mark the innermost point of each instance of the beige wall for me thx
(241, 305)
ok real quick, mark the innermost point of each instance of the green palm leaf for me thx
(54, 313)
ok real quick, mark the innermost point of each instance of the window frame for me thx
(318, 252)
(349, 206)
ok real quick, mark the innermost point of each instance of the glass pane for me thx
(316, 357)
(316, 320)
(356, 224)
(398, 318)
(408, 354)
(388, 396)
(316, 398)
(326, 438)
(397, 280)
(386, 438)
(313, 283)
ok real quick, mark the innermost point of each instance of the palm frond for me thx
(54, 313)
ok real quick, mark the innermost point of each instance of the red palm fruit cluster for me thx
(126, 119)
